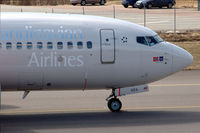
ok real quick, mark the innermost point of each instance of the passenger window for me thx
(8, 45)
(89, 44)
(39, 45)
(19, 45)
(69, 45)
(80, 45)
(142, 40)
(29, 45)
(0, 45)
(59, 45)
(151, 40)
(49, 45)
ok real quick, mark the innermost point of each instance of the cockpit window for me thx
(142, 40)
(151, 40)
(158, 38)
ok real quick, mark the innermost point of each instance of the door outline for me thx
(107, 62)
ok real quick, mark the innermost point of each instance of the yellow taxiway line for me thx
(168, 85)
(18, 112)
(26, 112)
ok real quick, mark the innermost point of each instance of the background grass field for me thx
(187, 3)
(194, 48)
(189, 41)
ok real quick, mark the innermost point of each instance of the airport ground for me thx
(156, 19)
(171, 105)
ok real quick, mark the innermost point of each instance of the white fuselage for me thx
(65, 52)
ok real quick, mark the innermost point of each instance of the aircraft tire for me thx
(125, 6)
(114, 105)
(83, 3)
(102, 2)
(141, 6)
(149, 6)
(134, 5)
(169, 5)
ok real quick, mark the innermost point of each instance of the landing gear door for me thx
(107, 48)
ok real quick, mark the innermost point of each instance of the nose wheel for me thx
(114, 104)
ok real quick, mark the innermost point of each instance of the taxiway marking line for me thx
(167, 107)
(166, 85)
(26, 112)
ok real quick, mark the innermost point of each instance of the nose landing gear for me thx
(114, 104)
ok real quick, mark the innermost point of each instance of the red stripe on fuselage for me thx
(85, 85)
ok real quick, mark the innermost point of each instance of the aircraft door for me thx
(107, 48)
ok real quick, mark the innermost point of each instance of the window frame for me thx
(29, 47)
(61, 45)
(80, 46)
(8, 43)
(41, 45)
(19, 45)
(91, 45)
(50, 43)
(70, 46)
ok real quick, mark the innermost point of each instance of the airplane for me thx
(43, 51)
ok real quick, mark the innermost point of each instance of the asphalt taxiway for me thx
(172, 105)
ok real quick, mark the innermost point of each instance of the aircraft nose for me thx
(181, 59)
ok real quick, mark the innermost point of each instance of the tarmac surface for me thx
(156, 19)
(172, 105)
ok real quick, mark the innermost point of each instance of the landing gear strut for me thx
(114, 104)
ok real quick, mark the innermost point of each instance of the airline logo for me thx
(42, 34)
(158, 59)
(55, 60)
